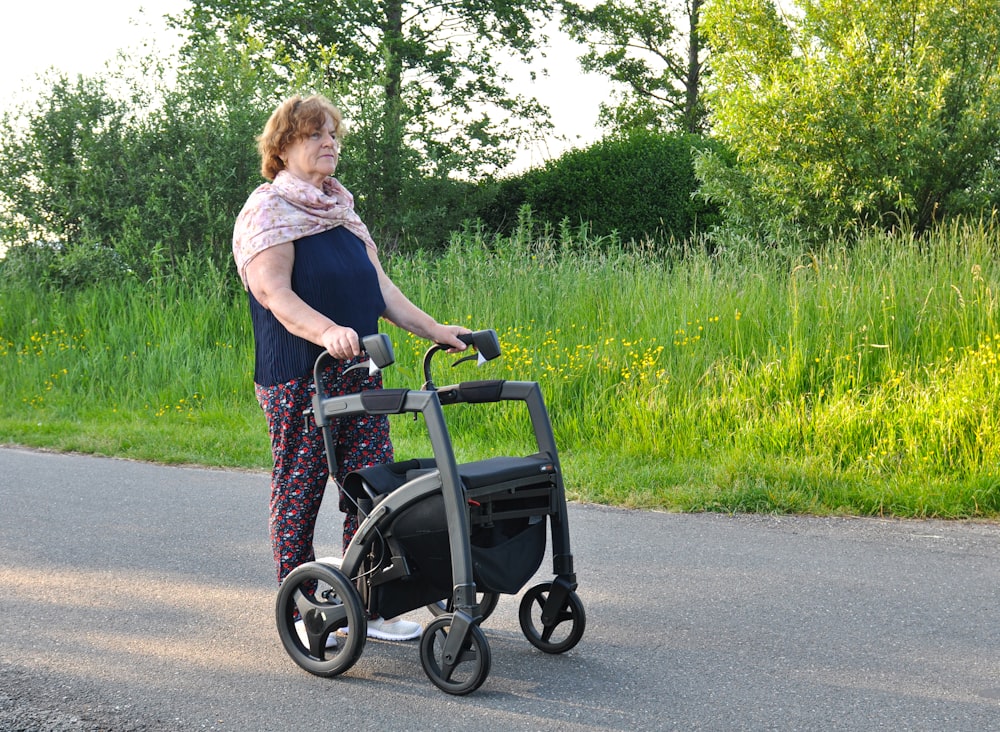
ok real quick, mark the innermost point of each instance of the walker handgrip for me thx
(377, 346)
(379, 349)
(485, 342)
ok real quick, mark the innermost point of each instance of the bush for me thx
(638, 186)
(48, 266)
(432, 210)
(154, 174)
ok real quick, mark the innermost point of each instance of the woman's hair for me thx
(293, 120)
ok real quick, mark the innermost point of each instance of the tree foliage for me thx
(652, 49)
(420, 81)
(848, 113)
(135, 171)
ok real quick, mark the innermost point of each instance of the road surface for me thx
(140, 597)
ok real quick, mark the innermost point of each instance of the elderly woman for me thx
(315, 282)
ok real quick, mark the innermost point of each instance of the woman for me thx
(315, 282)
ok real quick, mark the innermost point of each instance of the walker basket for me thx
(507, 498)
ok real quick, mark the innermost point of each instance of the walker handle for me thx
(486, 342)
(378, 346)
(379, 349)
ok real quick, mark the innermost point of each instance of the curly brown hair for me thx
(294, 119)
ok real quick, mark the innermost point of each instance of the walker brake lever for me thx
(369, 364)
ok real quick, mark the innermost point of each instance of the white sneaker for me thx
(394, 629)
(300, 628)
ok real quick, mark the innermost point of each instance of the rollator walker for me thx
(434, 533)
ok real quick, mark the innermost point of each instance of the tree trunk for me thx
(692, 84)
(385, 202)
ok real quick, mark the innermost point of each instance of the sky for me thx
(76, 37)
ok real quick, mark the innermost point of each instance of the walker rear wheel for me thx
(566, 625)
(326, 600)
(457, 674)
(482, 610)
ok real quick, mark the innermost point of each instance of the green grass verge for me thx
(861, 380)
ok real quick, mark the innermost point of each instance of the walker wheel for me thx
(482, 610)
(566, 628)
(460, 674)
(326, 600)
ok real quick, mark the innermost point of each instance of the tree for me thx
(851, 113)
(132, 165)
(42, 148)
(651, 49)
(419, 80)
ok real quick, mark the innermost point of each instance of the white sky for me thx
(77, 37)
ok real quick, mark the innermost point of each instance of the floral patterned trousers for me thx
(301, 471)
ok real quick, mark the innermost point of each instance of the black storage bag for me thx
(505, 553)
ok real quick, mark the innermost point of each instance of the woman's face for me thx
(314, 158)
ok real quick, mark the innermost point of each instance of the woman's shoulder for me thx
(263, 198)
(262, 192)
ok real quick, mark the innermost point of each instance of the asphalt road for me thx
(140, 597)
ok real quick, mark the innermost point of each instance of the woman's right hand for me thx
(341, 342)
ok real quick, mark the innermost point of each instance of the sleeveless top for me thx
(332, 274)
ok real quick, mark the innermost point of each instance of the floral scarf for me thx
(289, 209)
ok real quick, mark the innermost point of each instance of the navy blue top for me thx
(332, 274)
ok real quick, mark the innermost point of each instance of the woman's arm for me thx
(400, 311)
(269, 277)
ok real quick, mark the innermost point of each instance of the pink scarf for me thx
(289, 209)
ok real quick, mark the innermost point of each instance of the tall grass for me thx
(153, 371)
(858, 380)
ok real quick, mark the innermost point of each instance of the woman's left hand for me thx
(447, 335)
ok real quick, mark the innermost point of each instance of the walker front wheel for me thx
(325, 600)
(553, 629)
(457, 671)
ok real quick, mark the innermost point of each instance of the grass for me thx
(861, 380)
